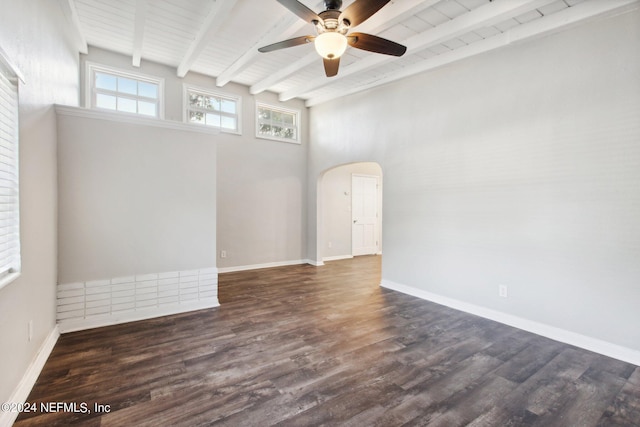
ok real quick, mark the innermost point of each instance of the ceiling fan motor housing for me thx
(332, 27)
(331, 22)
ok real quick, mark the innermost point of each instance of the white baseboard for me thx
(266, 265)
(73, 325)
(337, 258)
(588, 343)
(21, 393)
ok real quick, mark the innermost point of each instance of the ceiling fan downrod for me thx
(333, 4)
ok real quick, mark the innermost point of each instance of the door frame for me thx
(317, 220)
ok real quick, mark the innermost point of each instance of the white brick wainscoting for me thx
(95, 303)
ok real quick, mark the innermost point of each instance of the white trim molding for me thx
(95, 303)
(336, 258)
(265, 265)
(315, 263)
(21, 393)
(133, 119)
(10, 66)
(588, 343)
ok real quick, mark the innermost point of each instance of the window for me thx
(277, 123)
(115, 90)
(212, 109)
(9, 200)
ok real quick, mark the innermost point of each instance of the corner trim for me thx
(588, 343)
(21, 392)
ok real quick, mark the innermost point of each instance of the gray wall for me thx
(261, 215)
(33, 34)
(519, 167)
(133, 199)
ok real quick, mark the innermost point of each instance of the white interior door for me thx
(364, 210)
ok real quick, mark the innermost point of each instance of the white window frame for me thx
(10, 262)
(297, 124)
(91, 90)
(216, 94)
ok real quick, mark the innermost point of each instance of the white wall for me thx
(335, 188)
(33, 34)
(518, 167)
(261, 183)
(133, 199)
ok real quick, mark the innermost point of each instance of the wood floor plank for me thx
(308, 346)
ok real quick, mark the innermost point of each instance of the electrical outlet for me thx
(330, 245)
(30, 330)
(223, 254)
(503, 291)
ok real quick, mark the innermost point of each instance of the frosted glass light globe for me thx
(331, 45)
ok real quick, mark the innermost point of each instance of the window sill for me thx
(273, 138)
(216, 129)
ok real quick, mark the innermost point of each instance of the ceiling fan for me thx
(333, 27)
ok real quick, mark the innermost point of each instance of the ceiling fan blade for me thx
(361, 10)
(301, 10)
(331, 66)
(287, 43)
(375, 44)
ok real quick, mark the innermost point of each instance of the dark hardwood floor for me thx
(307, 346)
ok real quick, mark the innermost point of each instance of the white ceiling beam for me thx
(275, 78)
(486, 15)
(70, 12)
(214, 20)
(142, 9)
(288, 25)
(578, 14)
(394, 13)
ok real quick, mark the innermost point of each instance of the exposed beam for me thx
(283, 30)
(578, 14)
(288, 25)
(142, 8)
(284, 72)
(394, 13)
(486, 15)
(70, 12)
(214, 20)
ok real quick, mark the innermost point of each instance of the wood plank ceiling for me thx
(220, 38)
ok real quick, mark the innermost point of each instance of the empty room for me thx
(320, 212)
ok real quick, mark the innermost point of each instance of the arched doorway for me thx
(343, 219)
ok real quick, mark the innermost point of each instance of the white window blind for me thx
(9, 201)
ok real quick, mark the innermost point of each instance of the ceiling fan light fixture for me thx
(331, 45)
